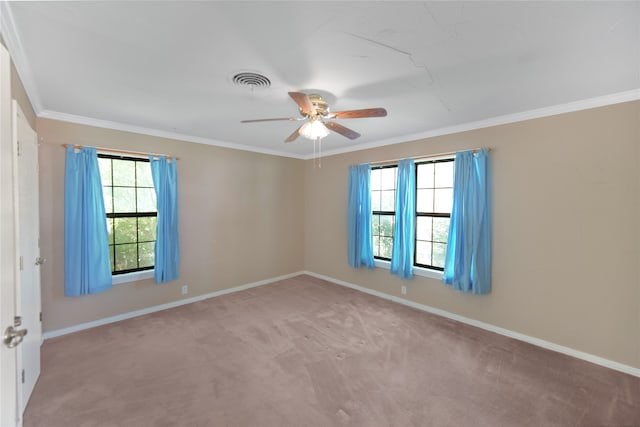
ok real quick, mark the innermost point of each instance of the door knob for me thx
(13, 337)
(40, 260)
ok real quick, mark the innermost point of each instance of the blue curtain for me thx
(359, 217)
(87, 266)
(468, 258)
(167, 250)
(405, 223)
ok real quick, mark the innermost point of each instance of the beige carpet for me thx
(304, 352)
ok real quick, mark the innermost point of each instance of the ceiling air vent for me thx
(253, 80)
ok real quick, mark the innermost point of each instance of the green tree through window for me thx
(130, 203)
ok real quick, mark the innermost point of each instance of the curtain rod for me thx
(430, 156)
(135, 153)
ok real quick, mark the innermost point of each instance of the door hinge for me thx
(23, 376)
(41, 316)
(18, 147)
(21, 263)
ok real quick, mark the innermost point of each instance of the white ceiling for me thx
(165, 68)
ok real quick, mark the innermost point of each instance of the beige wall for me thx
(565, 239)
(566, 210)
(240, 221)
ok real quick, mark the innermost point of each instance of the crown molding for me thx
(14, 45)
(16, 51)
(601, 101)
(106, 124)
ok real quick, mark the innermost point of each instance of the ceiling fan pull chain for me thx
(319, 153)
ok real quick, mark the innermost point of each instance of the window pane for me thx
(126, 256)
(375, 225)
(105, 170)
(110, 230)
(375, 200)
(440, 229)
(386, 244)
(146, 254)
(147, 228)
(125, 230)
(124, 199)
(424, 228)
(444, 174)
(376, 246)
(113, 261)
(124, 172)
(108, 199)
(424, 201)
(443, 200)
(146, 200)
(388, 178)
(439, 250)
(375, 179)
(388, 202)
(425, 175)
(386, 225)
(423, 252)
(143, 174)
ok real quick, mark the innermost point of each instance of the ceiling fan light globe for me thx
(314, 129)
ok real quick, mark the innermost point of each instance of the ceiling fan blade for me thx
(303, 101)
(272, 120)
(351, 134)
(357, 114)
(294, 135)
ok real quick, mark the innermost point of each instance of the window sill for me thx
(417, 271)
(131, 277)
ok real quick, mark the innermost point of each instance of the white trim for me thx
(107, 124)
(142, 312)
(8, 30)
(14, 45)
(119, 279)
(601, 101)
(417, 271)
(486, 326)
(585, 104)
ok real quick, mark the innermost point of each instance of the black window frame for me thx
(114, 215)
(418, 214)
(428, 214)
(392, 213)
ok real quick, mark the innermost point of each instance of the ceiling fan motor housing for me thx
(321, 106)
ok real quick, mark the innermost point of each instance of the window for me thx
(383, 205)
(434, 199)
(130, 204)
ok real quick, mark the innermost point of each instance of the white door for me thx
(8, 404)
(28, 237)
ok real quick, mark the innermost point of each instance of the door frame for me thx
(28, 292)
(8, 252)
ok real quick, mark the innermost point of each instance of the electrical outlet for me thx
(185, 289)
(403, 290)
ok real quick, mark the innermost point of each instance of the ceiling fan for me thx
(317, 115)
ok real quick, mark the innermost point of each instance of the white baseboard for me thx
(506, 332)
(119, 317)
(486, 326)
